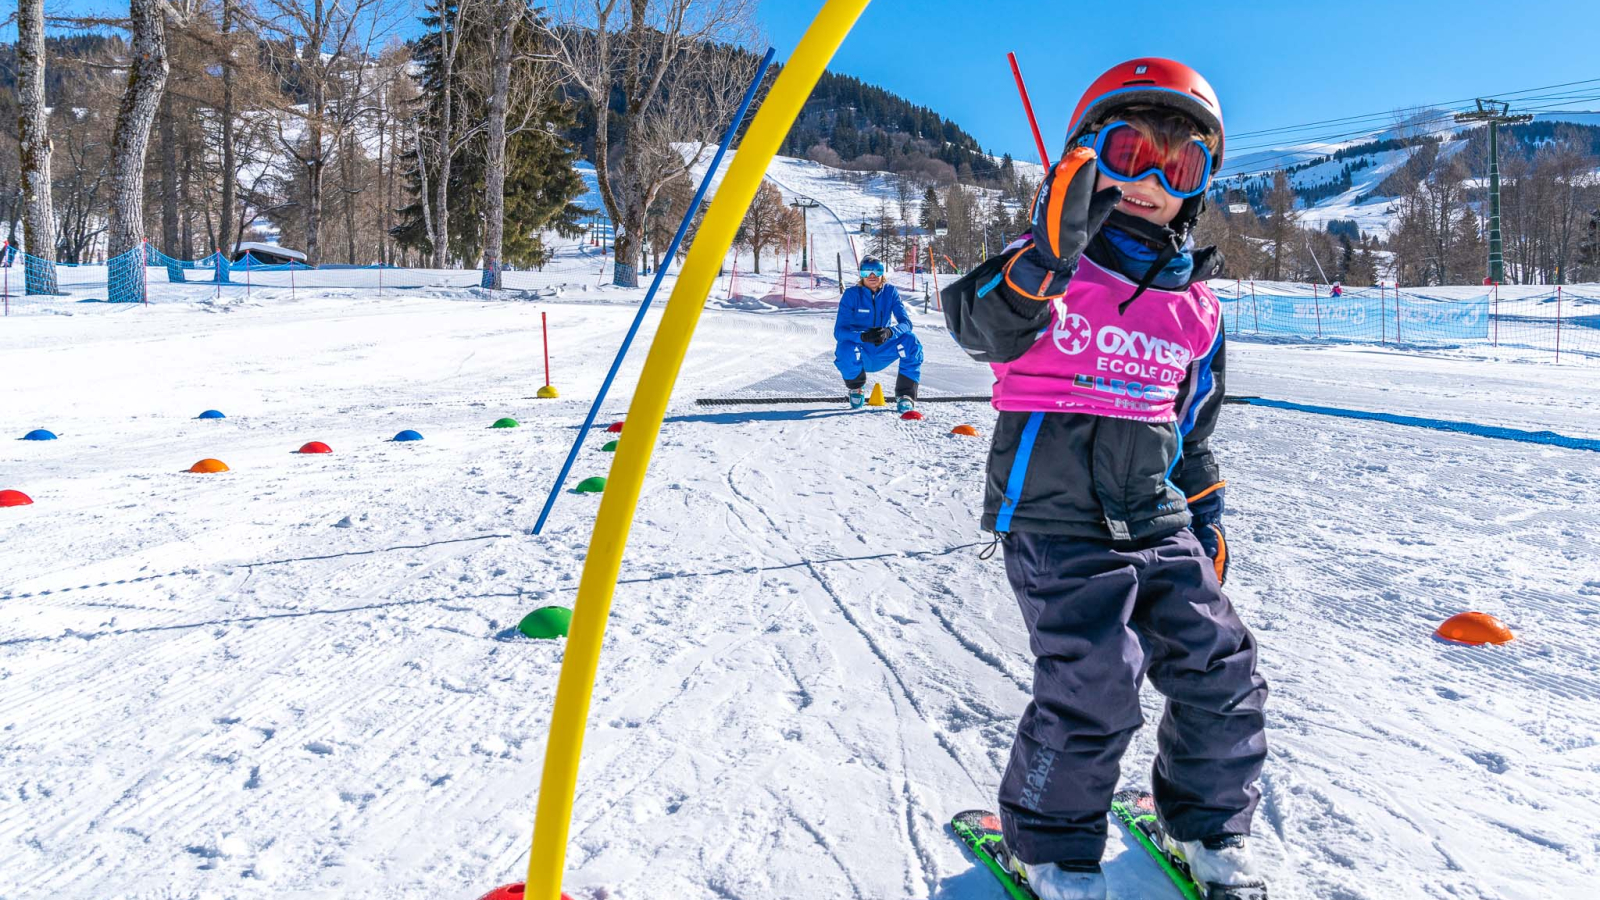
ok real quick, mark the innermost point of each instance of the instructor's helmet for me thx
(1151, 82)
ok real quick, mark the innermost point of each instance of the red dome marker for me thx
(911, 415)
(615, 428)
(511, 892)
(14, 498)
(316, 447)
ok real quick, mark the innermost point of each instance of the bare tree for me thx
(147, 79)
(675, 87)
(39, 217)
(534, 84)
(768, 223)
(328, 45)
(1281, 229)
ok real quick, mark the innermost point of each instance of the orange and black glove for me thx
(1207, 508)
(1067, 212)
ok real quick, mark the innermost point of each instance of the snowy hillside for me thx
(302, 677)
(1362, 201)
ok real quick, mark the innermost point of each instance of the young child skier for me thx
(1107, 350)
(873, 330)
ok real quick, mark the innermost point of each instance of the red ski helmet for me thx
(1149, 81)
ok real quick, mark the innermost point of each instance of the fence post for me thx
(838, 261)
(1254, 309)
(1397, 338)
(544, 326)
(933, 272)
(1238, 298)
(1317, 300)
(1558, 323)
(1383, 314)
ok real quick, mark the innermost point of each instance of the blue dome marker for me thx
(39, 434)
(408, 435)
(211, 414)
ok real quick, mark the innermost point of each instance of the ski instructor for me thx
(873, 330)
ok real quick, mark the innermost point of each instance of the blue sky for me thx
(1274, 64)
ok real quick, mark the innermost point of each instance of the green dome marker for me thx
(546, 622)
(592, 485)
(610, 447)
(507, 422)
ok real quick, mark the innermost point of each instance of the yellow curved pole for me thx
(547, 860)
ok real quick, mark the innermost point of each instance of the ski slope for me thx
(301, 678)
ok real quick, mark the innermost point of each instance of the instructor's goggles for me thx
(1123, 154)
(874, 270)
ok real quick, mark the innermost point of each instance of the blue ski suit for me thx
(861, 309)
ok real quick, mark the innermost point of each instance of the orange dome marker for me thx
(1474, 628)
(967, 430)
(209, 466)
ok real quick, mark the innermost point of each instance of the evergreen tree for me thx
(541, 182)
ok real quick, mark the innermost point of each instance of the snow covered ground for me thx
(301, 678)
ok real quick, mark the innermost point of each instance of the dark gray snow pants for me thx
(1100, 618)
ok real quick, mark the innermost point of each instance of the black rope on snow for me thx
(758, 401)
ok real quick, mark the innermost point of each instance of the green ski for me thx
(1136, 810)
(979, 829)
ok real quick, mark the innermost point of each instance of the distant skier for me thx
(1102, 489)
(1336, 291)
(873, 330)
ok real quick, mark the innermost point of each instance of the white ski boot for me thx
(1049, 881)
(1223, 866)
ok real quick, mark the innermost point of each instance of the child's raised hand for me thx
(1068, 210)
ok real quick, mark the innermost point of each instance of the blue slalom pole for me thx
(655, 285)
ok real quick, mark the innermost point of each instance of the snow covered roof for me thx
(274, 249)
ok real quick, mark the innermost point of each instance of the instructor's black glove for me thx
(1067, 212)
(1206, 524)
(876, 336)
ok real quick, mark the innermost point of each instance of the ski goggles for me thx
(872, 270)
(1124, 154)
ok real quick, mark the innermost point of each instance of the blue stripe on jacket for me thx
(1019, 472)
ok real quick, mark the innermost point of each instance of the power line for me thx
(1390, 112)
(1303, 154)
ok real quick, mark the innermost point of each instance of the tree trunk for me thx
(441, 208)
(230, 170)
(422, 176)
(346, 177)
(147, 81)
(495, 164)
(169, 180)
(39, 215)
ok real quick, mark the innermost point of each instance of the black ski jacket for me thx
(1089, 476)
